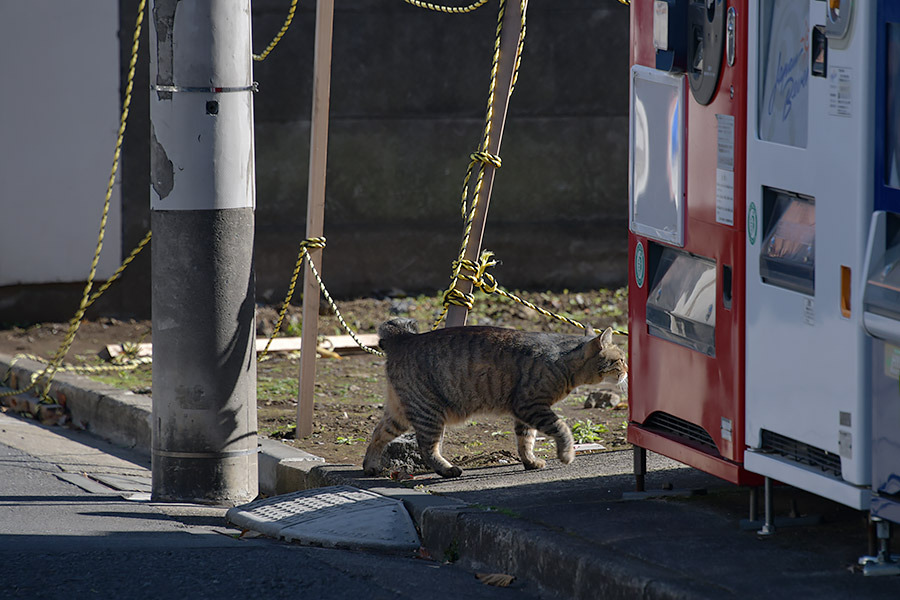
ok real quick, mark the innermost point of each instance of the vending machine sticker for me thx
(752, 223)
(725, 146)
(809, 312)
(784, 58)
(725, 170)
(891, 361)
(640, 264)
(724, 197)
(840, 91)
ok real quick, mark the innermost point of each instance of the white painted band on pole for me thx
(202, 151)
(224, 454)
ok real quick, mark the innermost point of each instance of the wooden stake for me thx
(509, 43)
(315, 211)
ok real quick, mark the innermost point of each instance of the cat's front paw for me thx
(537, 463)
(566, 455)
(450, 472)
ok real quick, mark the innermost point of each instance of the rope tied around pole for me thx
(486, 158)
(476, 272)
(480, 160)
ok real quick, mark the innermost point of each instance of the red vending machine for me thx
(686, 234)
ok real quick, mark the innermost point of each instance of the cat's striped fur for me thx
(443, 377)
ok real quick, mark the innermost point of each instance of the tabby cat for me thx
(443, 377)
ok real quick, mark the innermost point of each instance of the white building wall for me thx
(59, 115)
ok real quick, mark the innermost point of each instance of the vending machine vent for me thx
(801, 452)
(672, 425)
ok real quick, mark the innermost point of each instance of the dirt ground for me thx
(349, 391)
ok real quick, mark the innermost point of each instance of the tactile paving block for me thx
(337, 517)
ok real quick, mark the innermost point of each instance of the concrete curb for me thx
(449, 529)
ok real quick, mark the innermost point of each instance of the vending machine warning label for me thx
(724, 197)
(840, 92)
(725, 170)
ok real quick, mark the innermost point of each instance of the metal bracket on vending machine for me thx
(767, 527)
(883, 563)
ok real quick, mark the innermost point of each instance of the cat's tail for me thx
(395, 330)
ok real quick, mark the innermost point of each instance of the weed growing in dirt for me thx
(587, 432)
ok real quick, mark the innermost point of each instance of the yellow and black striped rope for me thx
(305, 245)
(476, 272)
(279, 35)
(337, 312)
(453, 10)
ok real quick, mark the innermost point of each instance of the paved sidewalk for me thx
(568, 528)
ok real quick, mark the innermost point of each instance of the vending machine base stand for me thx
(678, 450)
(771, 523)
(883, 563)
(808, 478)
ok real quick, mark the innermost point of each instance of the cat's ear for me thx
(588, 330)
(606, 337)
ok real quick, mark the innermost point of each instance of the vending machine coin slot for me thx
(727, 294)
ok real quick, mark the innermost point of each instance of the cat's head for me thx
(606, 361)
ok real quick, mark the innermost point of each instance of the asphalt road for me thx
(62, 540)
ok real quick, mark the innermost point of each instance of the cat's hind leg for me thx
(430, 447)
(525, 445)
(429, 435)
(392, 425)
(542, 418)
(385, 432)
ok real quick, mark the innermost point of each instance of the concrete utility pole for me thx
(202, 216)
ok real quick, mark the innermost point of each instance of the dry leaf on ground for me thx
(496, 579)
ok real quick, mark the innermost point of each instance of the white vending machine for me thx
(809, 201)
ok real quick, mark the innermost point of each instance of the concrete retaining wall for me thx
(409, 90)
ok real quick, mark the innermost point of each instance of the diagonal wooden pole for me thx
(315, 211)
(509, 42)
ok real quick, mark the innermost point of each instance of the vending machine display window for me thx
(892, 107)
(681, 306)
(784, 71)
(656, 206)
(882, 295)
(788, 254)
